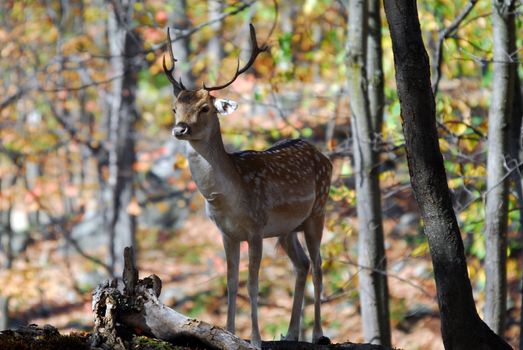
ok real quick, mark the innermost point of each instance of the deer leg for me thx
(232, 254)
(255, 255)
(294, 250)
(313, 230)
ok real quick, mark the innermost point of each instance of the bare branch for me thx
(59, 224)
(12, 99)
(385, 273)
(182, 34)
(443, 35)
(73, 132)
(56, 222)
(82, 87)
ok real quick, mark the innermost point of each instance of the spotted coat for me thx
(288, 171)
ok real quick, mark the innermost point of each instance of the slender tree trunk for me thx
(6, 245)
(125, 46)
(376, 104)
(515, 155)
(215, 46)
(371, 252)
(288, 13)
(4, 300)
(4, 312)
(461, 326)
(497, 184)
(116, 43)
(375, 67)
(515, 148)
(181, 47)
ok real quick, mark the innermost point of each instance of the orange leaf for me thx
(134, 208)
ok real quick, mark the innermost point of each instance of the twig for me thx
(386, 273)
(484, 194)
(12, 99)
(279, 109)
(15, 158)
(183, 34)
(474, 130)
(73, 132)
(58, 223)
(82, 87)
(443, 35)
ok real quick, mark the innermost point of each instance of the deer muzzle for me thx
(181, 129)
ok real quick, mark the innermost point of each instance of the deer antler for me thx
(256, 50)
(177, 85)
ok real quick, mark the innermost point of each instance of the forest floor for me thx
(191, 264)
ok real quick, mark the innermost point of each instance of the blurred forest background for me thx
(88, 164)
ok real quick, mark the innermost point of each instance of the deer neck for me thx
(213, 170)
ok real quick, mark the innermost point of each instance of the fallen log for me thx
(134, 304)
(123, 308)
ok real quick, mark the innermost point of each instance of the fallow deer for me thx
(253, 195)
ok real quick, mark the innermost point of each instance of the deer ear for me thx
(225, 107)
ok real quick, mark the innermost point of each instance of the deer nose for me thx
(181, 129)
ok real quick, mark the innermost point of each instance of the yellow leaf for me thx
(478, 171)
(469, 145)
(456, 182)
(180, 162)
(151, 56)
(421, 250)
(456, 127)
(443, 145)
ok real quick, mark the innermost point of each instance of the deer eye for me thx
(174, 110)
(204, 109)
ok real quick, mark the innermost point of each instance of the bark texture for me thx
(461, 325)
(375, 67)
(515, 148)
(123, 115)
(6, 244)
(371, 251)
(496, 206)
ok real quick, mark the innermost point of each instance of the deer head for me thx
(196, 111)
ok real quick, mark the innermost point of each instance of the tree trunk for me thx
(497, 184)
(371, 251)
(181, 47)
(125, 46)
(4, 312)
(376, 104)
(8, 251)
(461, 326)
(515, 148)
(375, 67)
(215, 46)
(6, 245)
(288, 12)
